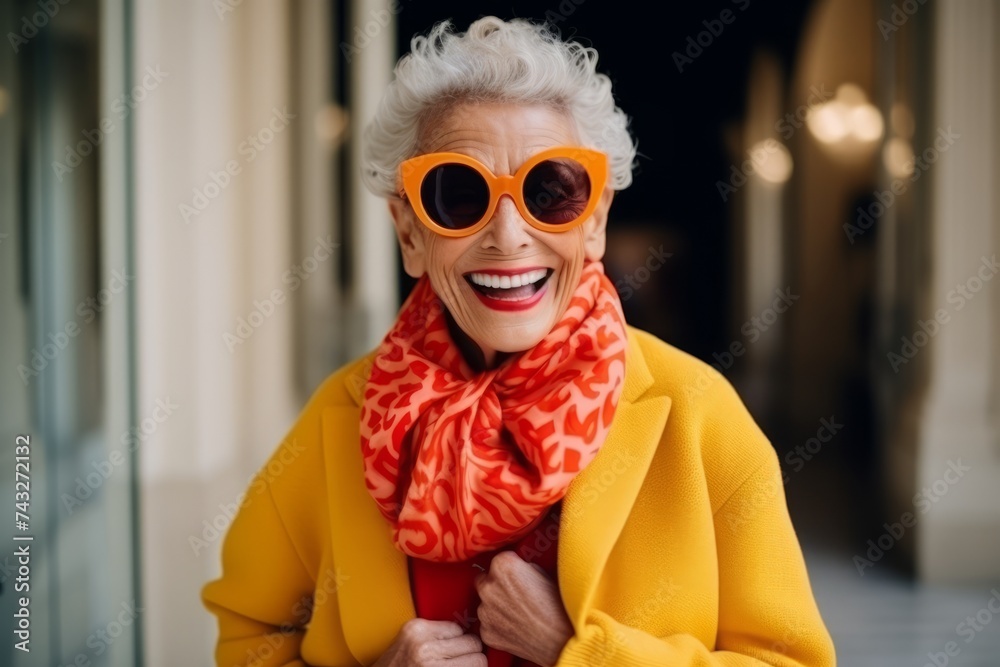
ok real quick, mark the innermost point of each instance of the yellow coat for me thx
(675, 545)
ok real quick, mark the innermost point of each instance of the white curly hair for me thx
(494, 61)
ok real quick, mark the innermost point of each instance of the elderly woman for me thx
(515, 476)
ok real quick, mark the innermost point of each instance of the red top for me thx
(447, 591)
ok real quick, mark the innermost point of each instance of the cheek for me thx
(570, 247)
(436, 255)
(443, 254)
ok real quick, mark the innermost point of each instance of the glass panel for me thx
(63, 298)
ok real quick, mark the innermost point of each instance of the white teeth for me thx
(508, 282)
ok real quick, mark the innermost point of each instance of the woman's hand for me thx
(423, 643)
(521, 611)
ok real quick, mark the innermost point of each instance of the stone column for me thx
(958, 439)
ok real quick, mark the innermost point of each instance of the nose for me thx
(507, 231)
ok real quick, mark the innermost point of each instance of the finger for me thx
(458, 646)
(444, 630)
(427, 630)
(469, 660)
(506, 560)
(540, 570)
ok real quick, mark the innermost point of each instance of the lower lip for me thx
(500, 304)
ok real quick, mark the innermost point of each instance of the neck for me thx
(477, 357)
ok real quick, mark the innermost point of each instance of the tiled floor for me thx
(884, 620)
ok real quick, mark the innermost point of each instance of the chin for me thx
(513, 332)
(511, 328)
(515, 343)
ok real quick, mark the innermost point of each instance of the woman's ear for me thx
(595, 229)
(411, 237)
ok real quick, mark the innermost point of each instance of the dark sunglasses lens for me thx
(455, 196)
(557, 191)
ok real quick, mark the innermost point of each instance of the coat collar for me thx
(375, 598)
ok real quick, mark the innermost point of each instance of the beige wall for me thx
(234, 68)
(194, 279)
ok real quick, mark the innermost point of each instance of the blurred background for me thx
(186, 251)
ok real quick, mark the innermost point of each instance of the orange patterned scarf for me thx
(463, 463)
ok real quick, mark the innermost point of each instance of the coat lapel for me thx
(600, 499)
(375, 598)
(374, 594)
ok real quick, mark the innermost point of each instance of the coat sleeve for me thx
(273, 570)
(767, 613)
(262, 599)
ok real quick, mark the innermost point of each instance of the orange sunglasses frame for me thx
(413, 171)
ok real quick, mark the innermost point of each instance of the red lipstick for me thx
(502, 304)
(490, 298)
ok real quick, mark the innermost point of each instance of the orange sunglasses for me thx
(456, 195)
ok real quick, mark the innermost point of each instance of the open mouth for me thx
(510, 287)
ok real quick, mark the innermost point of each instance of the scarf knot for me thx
(462, 463)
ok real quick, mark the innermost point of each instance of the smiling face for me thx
(507, 285)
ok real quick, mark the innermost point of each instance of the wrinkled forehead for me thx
(501, 135)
